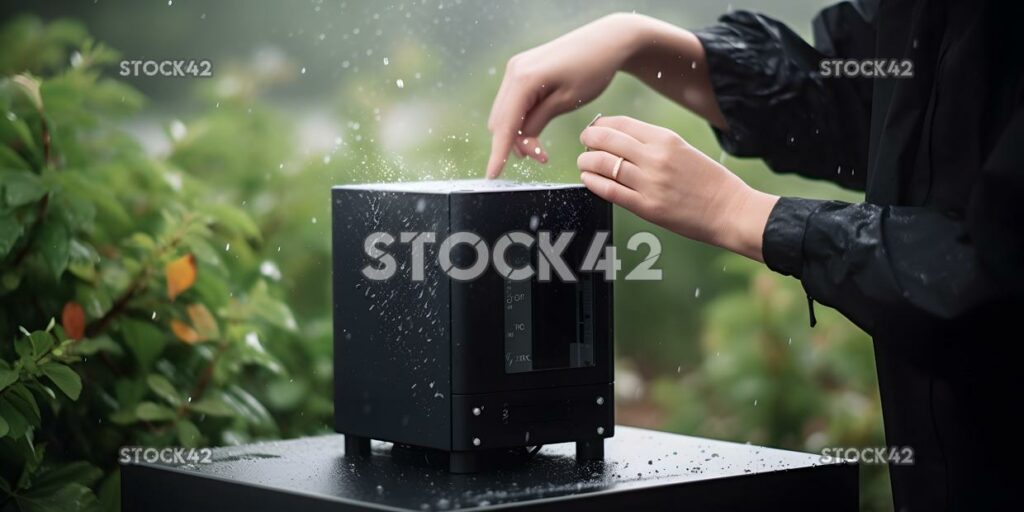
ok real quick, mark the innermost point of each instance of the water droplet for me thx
(178, 130)
(303, 70)
(659, 75)
(400, 83)
(696, 293)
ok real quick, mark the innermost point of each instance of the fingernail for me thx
(591, 123)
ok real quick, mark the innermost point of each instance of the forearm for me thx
(671, 61)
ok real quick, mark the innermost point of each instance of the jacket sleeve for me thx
(776, 102)
(908, 267)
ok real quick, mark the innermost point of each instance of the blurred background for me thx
(131, 174)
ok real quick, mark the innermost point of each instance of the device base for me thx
(466, 462)
(357, 446)
(590, 450)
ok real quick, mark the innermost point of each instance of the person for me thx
(929, 264)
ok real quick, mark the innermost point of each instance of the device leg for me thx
(589, 450)
(357, 446)
(463, 462)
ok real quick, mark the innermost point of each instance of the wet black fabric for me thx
(931, 264)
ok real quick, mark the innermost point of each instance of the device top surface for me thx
(458, 186)
(634, 459)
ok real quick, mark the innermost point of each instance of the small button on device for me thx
(476, 441)
(476, 411)
(600, 430)
(600, 400)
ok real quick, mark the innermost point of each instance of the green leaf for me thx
(270, 309)
(212, 407)
(4, 427)
(42, 342)
(55, 245)
(233, 219)
(7, 377)
(23, 400)
(16, 422)
(145, 341)
(188, 434)
(65, 378)
(149, 411)
(21, 130)
(90, 346)
(23, 347)
(22, 188)
(70, 498)
(11, 159)
(54, 477)
(82, 260)
(109, 492)
(10, 231)
(248, 407)
(124, 417)
(164, 389)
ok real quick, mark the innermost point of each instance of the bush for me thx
(132, 306)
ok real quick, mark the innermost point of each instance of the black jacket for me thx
(932, 263)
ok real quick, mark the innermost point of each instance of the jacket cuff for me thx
(746, 65)
(783, 242)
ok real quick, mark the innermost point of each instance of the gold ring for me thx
(615, 170)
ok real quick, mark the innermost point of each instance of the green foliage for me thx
(132, 308)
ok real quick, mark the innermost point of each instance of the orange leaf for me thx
(181, 275)
(203, 321)
(185, 332)
(73, 320)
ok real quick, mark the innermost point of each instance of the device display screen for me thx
(548, 325)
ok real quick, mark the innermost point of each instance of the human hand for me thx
(667, 181)
(541, 83)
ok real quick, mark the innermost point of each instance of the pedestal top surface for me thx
(634, 458)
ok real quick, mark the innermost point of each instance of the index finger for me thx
(506, 118)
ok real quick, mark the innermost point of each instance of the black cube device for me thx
(442, 346)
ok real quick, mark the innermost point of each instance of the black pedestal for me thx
(642, 470)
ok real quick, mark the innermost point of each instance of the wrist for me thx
(746, 218)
